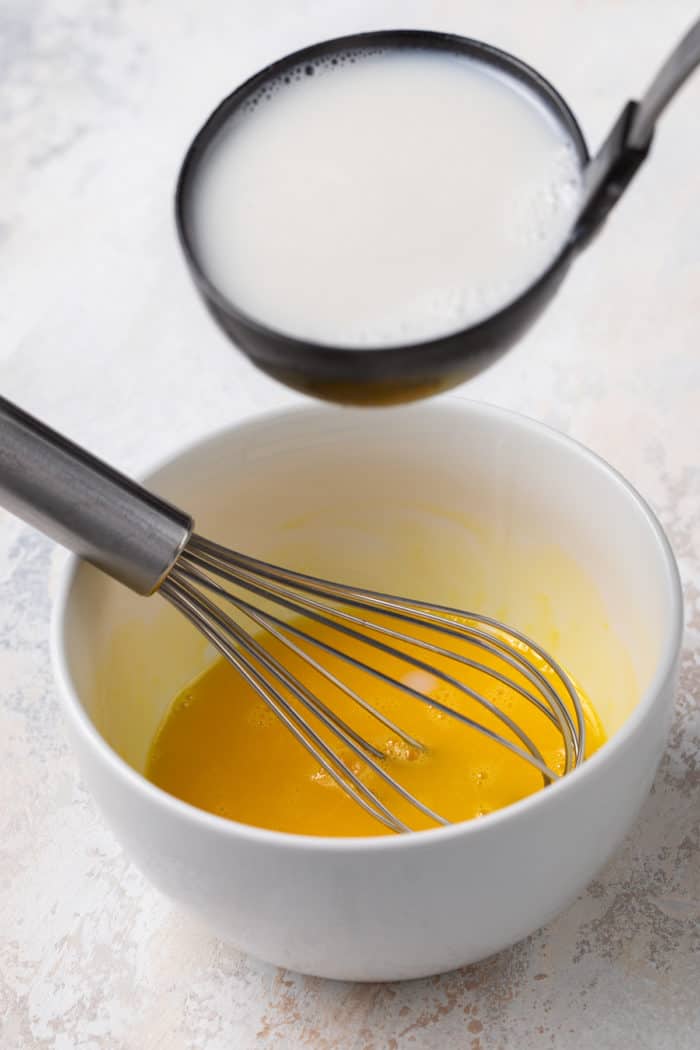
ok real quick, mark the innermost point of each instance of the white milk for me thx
(386, 198)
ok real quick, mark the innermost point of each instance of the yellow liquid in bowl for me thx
(222, 749)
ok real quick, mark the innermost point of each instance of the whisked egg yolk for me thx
(221, 748)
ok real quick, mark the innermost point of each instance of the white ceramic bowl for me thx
(455, 501)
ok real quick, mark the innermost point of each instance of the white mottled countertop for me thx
(101, 334)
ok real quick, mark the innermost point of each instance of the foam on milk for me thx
(380, 197)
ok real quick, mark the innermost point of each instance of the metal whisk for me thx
(149, 545)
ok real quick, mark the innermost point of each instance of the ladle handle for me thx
(672, 75)
(614, 166)
(85, 505)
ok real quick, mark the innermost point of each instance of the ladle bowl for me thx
(385, 374)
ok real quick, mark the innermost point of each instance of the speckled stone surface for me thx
(101, 334)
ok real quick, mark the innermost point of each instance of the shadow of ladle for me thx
(386, 374)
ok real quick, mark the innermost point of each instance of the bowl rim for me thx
(178, 809)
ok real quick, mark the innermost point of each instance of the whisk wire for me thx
(246, 571)
(534, 757)
(353, 740)
(201, 612)
(307, 608)
(204, 566)
(264, 620)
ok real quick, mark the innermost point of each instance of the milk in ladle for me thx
(384, 197)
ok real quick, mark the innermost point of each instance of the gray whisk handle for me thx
(85, 505)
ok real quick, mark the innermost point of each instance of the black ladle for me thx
(402, 373)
